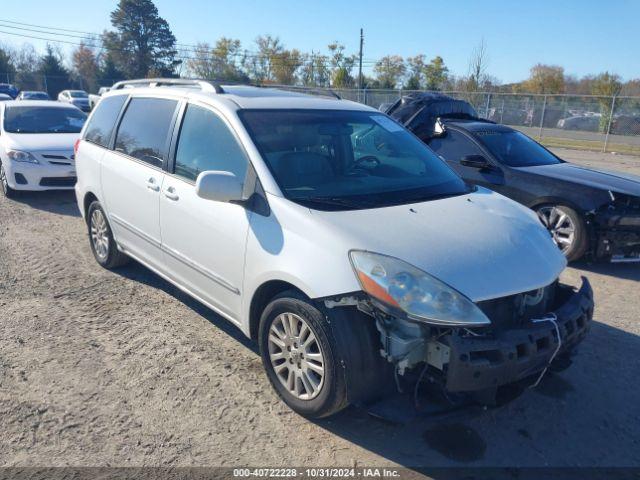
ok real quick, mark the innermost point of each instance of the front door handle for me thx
(171, 194)
(152, 185)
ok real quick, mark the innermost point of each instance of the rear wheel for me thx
(7, 191)
(568, 229)
(101, 239)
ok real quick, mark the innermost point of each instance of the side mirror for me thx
(219, 186)
(475, 161)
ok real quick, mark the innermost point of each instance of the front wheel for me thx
(321, 360)
(7, 191)
(568, 229)
(301, 356)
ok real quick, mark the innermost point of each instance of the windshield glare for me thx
(43, 120)
(516, 149)
(332, 159)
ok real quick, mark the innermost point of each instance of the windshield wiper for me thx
(337, 201)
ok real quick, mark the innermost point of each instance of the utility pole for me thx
(360, 86)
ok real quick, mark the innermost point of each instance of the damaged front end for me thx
(527, 333)
(616, 229)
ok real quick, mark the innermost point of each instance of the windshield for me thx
(77, 94)
(35, 95)
(330, 159)
(43, 120)
(516, 149)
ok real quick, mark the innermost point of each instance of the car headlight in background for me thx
(20, 156)
(421, 296)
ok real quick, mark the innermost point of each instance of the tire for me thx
(7, 191)
(568, 229)
(345, 342)
(103, 245)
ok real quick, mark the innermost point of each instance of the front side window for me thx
(516, 149)
(103, 120)
(145, 128)
(43, 120)
(206, 143)
(452, 146)
(340, 159)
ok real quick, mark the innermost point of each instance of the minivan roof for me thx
(250, 97)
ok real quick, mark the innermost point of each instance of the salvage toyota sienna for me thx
(330, 235)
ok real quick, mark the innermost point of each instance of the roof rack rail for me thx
(205, 85)
(321, 92)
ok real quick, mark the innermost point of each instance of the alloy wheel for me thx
(99, 235)
(560, 225)
(296, 356)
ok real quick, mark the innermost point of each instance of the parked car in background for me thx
(77, 98)
(330, 235)
(4, 97)
(94, 99)
(587, 211)
(33, 95)
(36, 145)
(585, 123)
(9, 89)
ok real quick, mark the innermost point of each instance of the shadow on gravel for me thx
(587, 415)
(628, 271)
(139, 273)
(62, 202)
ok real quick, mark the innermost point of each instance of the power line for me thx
(96, 37)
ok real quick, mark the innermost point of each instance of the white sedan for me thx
(36, 145)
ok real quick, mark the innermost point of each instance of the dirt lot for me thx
(101, 368)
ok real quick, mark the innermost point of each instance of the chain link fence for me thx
(607, 124)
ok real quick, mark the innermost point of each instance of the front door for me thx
(203, 240)
(453, 146)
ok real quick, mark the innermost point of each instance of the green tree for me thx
(7, 68)
(108, 71)
(315, 70)
(606, 85)
(341, 66)
(435, 74)
(415, 72)
(219, 62)
(260, 65)
(52, 69)
(285, 65)
(142, 43)
(389, 70)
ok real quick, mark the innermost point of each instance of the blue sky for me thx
(584, 36)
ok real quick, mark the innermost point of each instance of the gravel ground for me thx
(102, 368)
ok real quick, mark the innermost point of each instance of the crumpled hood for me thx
(482, 244)
(614, 181)
(35, 142)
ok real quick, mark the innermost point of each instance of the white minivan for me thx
(330, 235)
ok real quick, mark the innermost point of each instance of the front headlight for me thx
(421, 296)
(20, 156)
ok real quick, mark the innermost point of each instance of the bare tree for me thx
(478, 63)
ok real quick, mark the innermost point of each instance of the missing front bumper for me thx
(479, 363)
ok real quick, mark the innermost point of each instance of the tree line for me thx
(141, 44)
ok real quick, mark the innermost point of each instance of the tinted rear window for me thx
(104, 119)
(144, 129)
